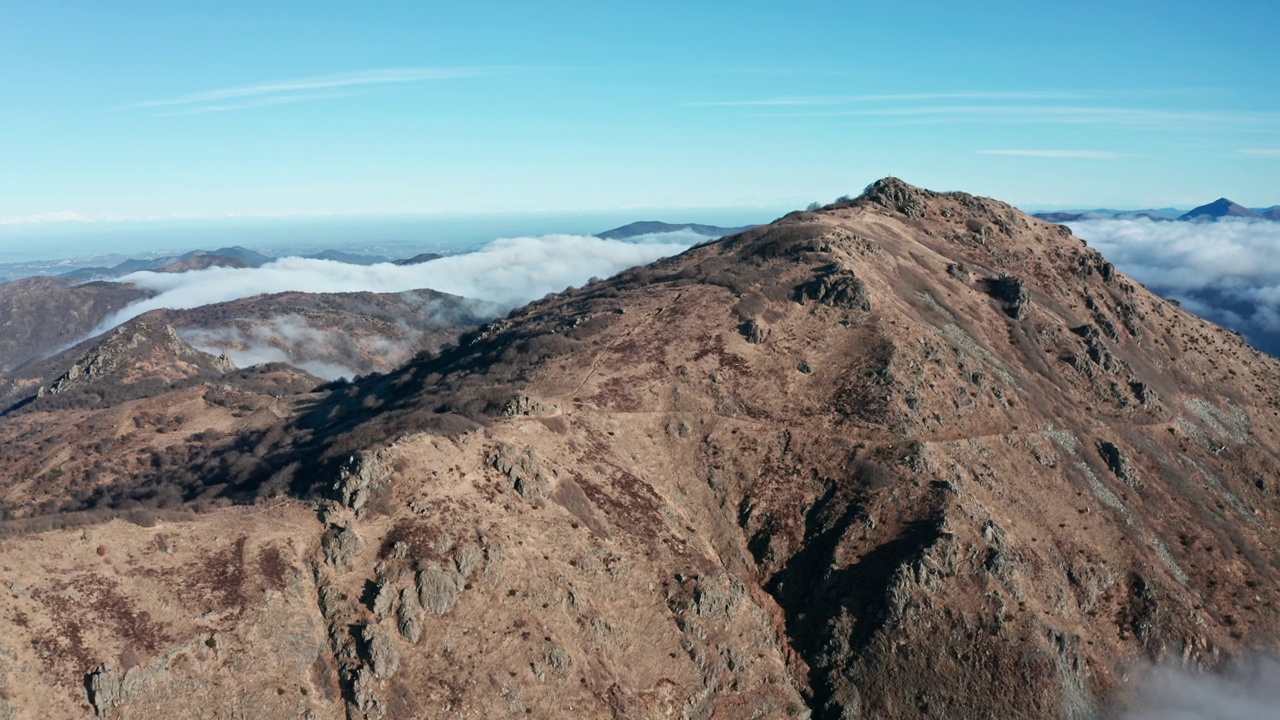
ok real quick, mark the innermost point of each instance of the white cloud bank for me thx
(1251, 692)
(1227, 271)
(508, 272)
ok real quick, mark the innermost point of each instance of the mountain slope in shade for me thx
(1219, 208)
(915, 455)
(1271, 213)
(651, 227)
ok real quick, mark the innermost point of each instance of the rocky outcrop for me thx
(898, 196)
(1013, 292)
(527, 475)
(340, 545)
(438, 587)
(410, 616)
(1119, 464)
(381, 650)
(754, 331)
(106, 689)
(837, 287)
(361, 476)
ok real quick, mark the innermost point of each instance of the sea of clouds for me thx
(1226, 271)
(1250, 691)
(508, 272)
(497, 277)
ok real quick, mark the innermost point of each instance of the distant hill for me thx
(653, 227)
(230, 257)
(200, 262)
(419, 259)
(251, 257)
(349, 258)
(1062, 216)
(1219, 208)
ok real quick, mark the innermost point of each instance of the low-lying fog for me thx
(508, 272)
(1227, 271)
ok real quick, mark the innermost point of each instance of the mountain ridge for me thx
(915, 454)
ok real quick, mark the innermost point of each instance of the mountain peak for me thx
(1220, 208)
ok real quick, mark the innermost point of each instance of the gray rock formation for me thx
(836, 287)
(359, 477)
(383, 653)
(106, 689)
(438, 588)
(411, 616)
(1013, 292)
(340, 546)
(528, 475)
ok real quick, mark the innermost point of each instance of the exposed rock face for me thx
(438, 588)
(836, 287)
(106, 689)
(944, 502)
(341, 545)
(359, 477)
(898, 196)
(1013, 292)
(523, 469)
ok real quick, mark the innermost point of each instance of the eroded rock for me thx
(438, 588)
(837, 287)
(528, 475)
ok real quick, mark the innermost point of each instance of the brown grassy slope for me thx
(105, 431)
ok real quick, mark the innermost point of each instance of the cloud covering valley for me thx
(508, 272)
(1226, 271)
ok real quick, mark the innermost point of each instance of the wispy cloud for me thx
(250, 103)
(1014, 107)
(1136, 118)
(819, 100)
(1084, 154)
(302, 89)
(1261, 152)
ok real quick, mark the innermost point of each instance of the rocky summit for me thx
(910, 455)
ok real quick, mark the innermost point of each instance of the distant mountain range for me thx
(654, 227)
(195, 260)
(232, 257)
(1220, 208)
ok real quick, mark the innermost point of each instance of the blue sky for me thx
(157, 110)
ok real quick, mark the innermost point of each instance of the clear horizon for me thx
(143, 110)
